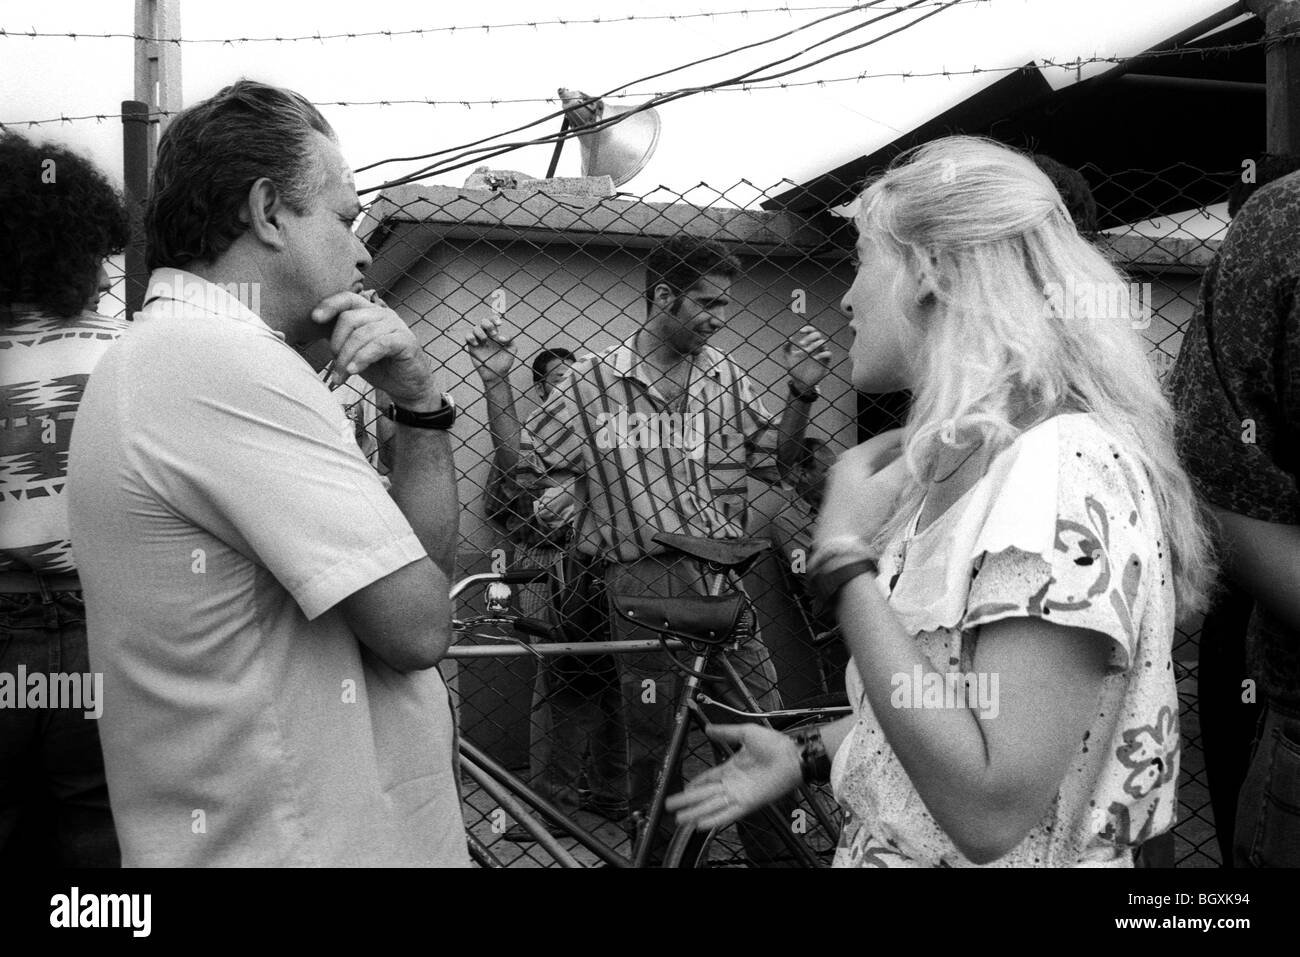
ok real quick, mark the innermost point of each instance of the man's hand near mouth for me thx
(371, 340)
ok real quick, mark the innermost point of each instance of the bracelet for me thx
(826, 586)
(810, 396)
(814, 762)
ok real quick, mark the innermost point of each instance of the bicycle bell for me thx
(497, 597)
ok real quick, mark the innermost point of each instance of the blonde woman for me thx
(1008, 584)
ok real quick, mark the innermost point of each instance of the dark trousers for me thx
(1268, 809)
(53, 797)
(651, 688)
(577, 736)
(1228, 724)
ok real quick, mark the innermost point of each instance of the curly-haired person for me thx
(61, 219)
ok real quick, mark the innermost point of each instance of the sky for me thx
(719, 139)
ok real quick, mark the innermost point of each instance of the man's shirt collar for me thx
(171, 288)
(625, 361)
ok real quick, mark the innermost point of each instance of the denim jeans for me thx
(54, 807)
(1268, 808)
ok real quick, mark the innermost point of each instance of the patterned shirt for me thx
(536, 517)
(1236, 387)
(1062, 527)
(637, 465)
(45, 361)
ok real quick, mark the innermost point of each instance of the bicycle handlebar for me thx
(508, 578)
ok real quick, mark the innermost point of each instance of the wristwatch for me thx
(814, 762)
(440, 419)
(809, 396)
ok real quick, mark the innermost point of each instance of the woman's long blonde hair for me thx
(1010, 342)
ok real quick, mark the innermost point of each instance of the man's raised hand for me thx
(491, 348)
(807, 357)
(370, 340)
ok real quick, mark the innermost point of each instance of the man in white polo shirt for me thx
(266, 615)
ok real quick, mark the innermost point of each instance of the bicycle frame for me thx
(676, 751)
(512, 794)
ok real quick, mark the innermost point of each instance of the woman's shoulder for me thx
(1085, 432)
(1083, 451)
(1068, 472)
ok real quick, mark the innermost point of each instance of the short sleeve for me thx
(534, 502)
(530, 512)
(256, 451)
(1097, 574)
(550, 441)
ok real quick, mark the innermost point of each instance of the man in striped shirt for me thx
(661, 433)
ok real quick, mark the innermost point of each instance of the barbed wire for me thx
(748, 76)
(1043, 63)
(33, 33)
(479, 152)
(660, 73)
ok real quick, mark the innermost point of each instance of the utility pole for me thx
(157, 90)
(1282, 72)
(158, 63)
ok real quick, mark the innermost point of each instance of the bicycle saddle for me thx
(691, 617)
(722, 552)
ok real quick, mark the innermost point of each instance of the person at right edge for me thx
(1237, 389)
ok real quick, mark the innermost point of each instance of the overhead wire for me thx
(478, 155)
(643, 79)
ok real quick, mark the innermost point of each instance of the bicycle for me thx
(705, 626)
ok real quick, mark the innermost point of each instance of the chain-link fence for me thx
(566, 271)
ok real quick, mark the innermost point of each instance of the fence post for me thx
(135, 176)
(1282, 31)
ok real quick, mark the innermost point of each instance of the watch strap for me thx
(439, 419)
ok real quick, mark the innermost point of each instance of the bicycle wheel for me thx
(721, 847)
(690, 848)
